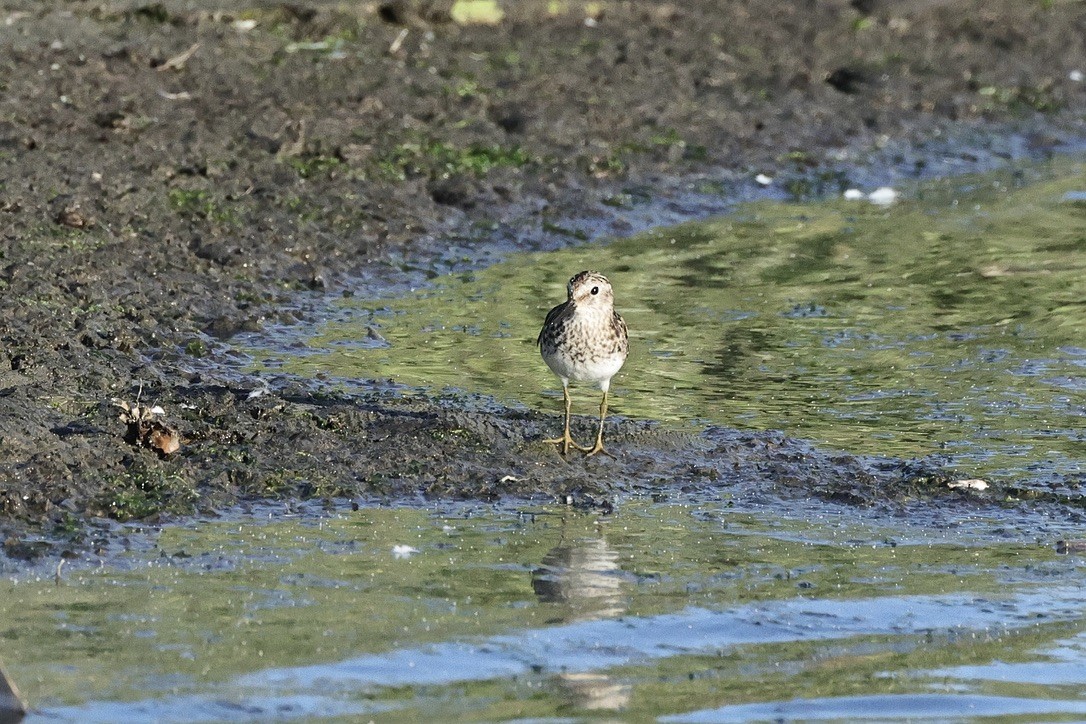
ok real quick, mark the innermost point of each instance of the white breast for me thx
(597, 371)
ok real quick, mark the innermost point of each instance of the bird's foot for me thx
(566, 442)
(596, 449)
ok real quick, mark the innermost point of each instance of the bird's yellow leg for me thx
(598, 447)
(566, 441)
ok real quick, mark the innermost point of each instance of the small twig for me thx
(398, 42)
(182, 96)
(178, 61)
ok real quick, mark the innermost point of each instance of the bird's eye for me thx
(595, 290)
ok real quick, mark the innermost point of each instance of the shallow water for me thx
(951, 322)
(695, 612)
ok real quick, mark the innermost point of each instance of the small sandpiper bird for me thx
(584, 340)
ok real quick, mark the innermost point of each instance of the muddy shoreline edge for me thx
(150, 199)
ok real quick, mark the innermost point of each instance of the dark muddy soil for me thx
(172, 173)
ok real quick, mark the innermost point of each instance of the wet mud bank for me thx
(296, 444)
(174, 173)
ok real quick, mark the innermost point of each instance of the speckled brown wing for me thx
(622, 334)
(552, 324)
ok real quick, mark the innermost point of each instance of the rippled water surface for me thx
(954, 321)
(693, 612)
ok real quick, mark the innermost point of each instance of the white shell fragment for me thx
(763, 180)
(403, 551)
(1077, 76)
(971, 484)
(883, 196)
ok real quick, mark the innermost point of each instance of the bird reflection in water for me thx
(584, 578)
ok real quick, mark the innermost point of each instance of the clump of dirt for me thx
(170, 170)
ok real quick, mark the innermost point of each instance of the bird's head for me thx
(590, 289)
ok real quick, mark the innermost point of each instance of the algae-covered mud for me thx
(950, 323)
(695, 611)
